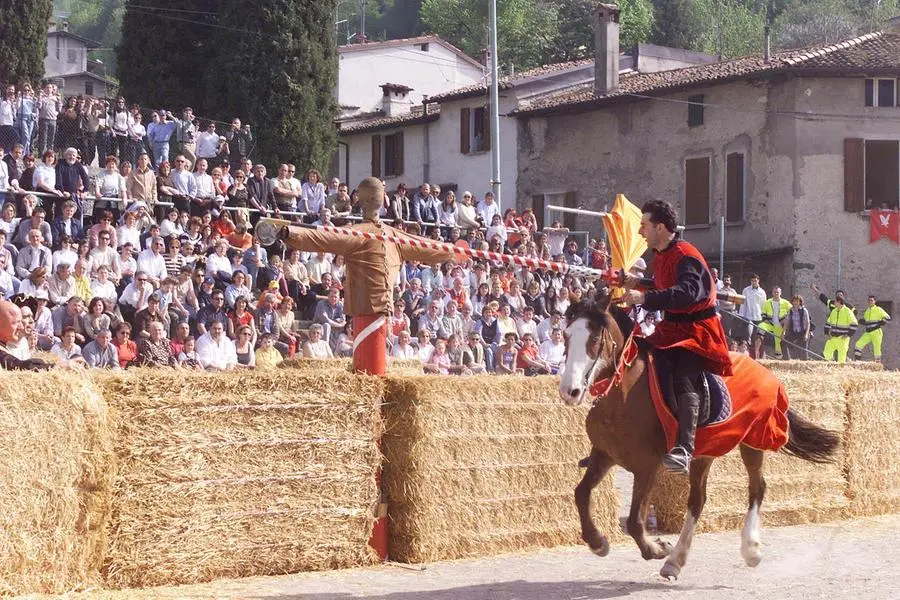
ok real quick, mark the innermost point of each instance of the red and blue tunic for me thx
(683, 288)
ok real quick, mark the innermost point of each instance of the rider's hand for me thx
(630, 281)
(633, 297)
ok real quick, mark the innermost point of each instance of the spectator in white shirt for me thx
(152, 262)
(128, 232)
(208, 142)
(206, 191)
(553, 351)
(751, 309)
(218, 265)
(215, 351)
(402, 348)
(487, 208)
(127, 265)
(65, 254)
(103, 255)
(135, 295)
(526, 323)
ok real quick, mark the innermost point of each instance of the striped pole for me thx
(267, 230)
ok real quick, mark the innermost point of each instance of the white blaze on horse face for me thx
(750, 546)
(574, 376)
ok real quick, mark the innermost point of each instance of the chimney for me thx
(606, 50)
(395, 99)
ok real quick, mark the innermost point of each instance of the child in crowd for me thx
(268, 356)
(188, 357)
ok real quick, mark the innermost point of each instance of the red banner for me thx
(884, 223)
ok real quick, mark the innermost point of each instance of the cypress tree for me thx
(166, 52)
(279, 76)
(23, 40)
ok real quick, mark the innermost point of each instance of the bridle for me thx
(602, 388)
(590, 375)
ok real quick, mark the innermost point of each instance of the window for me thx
(871, 174)
(881, 92)
(88, 88)
(734, 187)
(695, 110)
(474, 130)
(73, 55)
(387, 155)
(696, 191)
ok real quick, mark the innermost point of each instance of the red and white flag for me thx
(884, 223)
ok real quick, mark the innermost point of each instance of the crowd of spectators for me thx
(139, 262)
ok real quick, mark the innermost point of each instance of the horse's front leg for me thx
(696, 500)
(637, 516)
(598, 467)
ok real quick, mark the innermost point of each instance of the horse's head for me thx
(594, 339)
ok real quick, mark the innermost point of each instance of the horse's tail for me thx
(809, 441)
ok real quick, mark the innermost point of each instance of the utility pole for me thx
(495, 109)
(362, 20)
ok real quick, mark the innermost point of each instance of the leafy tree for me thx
(575, 39)
(279, 77)
(96, 20)
(23, 40)
(733, 27)
(819, 22)
(676, 24)
(165, 52)
(526, 29)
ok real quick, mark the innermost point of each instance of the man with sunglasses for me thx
(135, 296)
(208, 144)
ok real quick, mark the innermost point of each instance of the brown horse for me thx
(624, 430)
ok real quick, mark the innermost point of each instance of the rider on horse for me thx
(691, 335)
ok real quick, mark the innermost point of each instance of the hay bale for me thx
(239, 474)
(57, 467)
(394, 366)
(798, 491)
(819, 366)
(872, 451)
(476, 466)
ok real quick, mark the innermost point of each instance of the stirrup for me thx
(677, 460)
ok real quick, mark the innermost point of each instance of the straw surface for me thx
(250, 473)
(476, 466)
(872, 439)
(55, 488)
(395, 366)
(798, 492)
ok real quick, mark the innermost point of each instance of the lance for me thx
(268, 229)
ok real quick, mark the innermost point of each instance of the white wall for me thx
(54, 66)
(428, 73)
(473, 171)
(360, 151)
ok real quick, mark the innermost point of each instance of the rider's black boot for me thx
(678, 459)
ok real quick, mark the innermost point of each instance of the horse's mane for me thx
(600, 314)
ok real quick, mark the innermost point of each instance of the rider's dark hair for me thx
(662, 212)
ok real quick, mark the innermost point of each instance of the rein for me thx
(602, 388)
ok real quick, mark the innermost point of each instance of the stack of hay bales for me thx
(871, 444)
(395, 366)
(798, 491)
(57, 465)
(236, 475)
(476, 466)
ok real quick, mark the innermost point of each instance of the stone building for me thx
(791, 149)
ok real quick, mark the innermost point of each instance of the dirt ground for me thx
(846, 560)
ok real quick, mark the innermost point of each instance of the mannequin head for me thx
(371, 196)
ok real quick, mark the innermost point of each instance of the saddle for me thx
(715, 399)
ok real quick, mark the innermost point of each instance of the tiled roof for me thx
(506, 83)
(870, 52)
(377, 120)
(424, 39)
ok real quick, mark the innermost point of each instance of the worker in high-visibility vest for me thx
(840, 327)
(874, 320)
(774, 311)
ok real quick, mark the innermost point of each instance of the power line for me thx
(193, 22)
(810, 116)
(176, 10)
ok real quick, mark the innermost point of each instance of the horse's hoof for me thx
(752, 554)
(603, 549)
(665, 546)
(670, 571)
